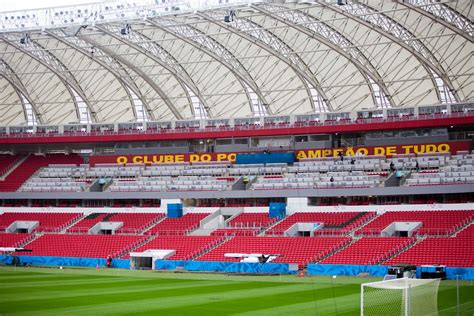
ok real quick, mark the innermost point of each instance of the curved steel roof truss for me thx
(275, 46)
(8, 73)
(444, 14)
(151, 49)
(46, 58)
(396, 32)
(218, 52)
(102, 59)
(332, 38)
(123, 60)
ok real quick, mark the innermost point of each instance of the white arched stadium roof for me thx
(120, 63)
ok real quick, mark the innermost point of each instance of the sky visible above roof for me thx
(17, 5)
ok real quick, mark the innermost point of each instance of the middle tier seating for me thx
(186, 247)
(336, 222)
(251, 220)
(323, 173)
(48, 222)
(299, 250)
(177, 226)
(369, 250)
(433, 222)
(133, 223)
(83, 246)
(236, 232)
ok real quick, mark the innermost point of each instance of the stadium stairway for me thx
(461, 228)
(74, 222)
(33, 238)
(125, 252)
(223, 240)
(352, 232)
(12, 167)
(264, 230)
(403, 249)
(343, 246)
(153, 225)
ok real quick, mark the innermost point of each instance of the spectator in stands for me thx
(101, 183)
(352, 161)
(332, 181)
(108, 261)
(417, 166)
(341, 156)
(246, 179)
(392, 166)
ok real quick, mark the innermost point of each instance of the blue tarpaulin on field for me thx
(63, 261)
(373, 270)
(346, 269)
(228, 267)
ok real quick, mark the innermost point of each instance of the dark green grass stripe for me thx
(116, 288)
(222, 305)
(78, 284)
(178, 300)
(103, 297)
(42, 277)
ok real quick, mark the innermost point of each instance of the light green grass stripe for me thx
(140, 286)
(347, 304)
(59, 282)
(153, 304)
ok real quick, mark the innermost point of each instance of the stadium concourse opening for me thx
(294, 154)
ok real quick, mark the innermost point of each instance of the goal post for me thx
(401, 297)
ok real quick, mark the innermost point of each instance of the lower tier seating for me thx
(14, 240)
(453, 252)
(186, 247)
(299, 250)
(83, 246)
(369, 250)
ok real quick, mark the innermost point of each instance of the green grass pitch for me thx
(51, 291)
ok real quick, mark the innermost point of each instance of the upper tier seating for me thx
(14, 240)
(186, 247)
(334, 221)
(299, 250)
(433, 222)
(48, 222)
(30, 165)
(133, 223)
(177, 226)
(369, 250)
(323, 173)
(84, 246)
(458, 169)
(452, 252)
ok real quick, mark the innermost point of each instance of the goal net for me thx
(401, 297)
